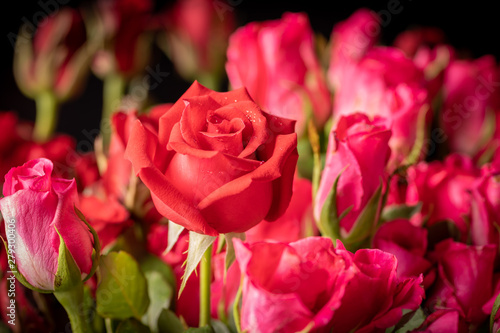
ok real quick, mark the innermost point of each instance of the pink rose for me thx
(276, 62)
(358, 151)
(385, 83)
(350, 40)
(465, 279)
(300, 285)
(374, 298)
(409, 244)
(442, 187)
(297, 221)
(469, 90)
(39, 213)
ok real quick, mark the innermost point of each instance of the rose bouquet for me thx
(299, 184)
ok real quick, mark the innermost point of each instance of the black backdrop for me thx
(473, 28)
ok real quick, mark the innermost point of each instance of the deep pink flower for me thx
(469, 90)
(358, 151)
(375, 297)
(299, 285)
(276, 62)
(409, 244)
(465, 279)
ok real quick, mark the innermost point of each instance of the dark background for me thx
(472, 28)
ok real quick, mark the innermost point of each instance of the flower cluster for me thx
(347, 186)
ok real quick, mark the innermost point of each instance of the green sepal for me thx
(329, 222)
(21, 277)
(494, 311)
(68, 275)
(198, 244)
(366, 221)
(230, 255)
(402, 211)
(96, 253)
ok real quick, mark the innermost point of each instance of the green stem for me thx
(46, 116)
(113, 90)
(205, 280)
(72, 301)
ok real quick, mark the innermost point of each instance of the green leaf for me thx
(160, 294)
(174, 231)
(131, 326)
(494, 311)
(96, 253)
(403, 211)
(154, 264)
(366, 221)
(219, 327)
(198, 244)
(122, 292)
(410, 321)
(68, 274)
(204, 329)
(169, 323)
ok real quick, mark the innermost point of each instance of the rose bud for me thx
(468, 94)
(48, 235)
(351, 39)
(56, 59)
(212, 155)
(195, 38)
(276, 62)
(124, 25)
(355, 164)
(465, 279)
(298, 287)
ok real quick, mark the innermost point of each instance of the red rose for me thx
(213, 155)
(107, 216)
